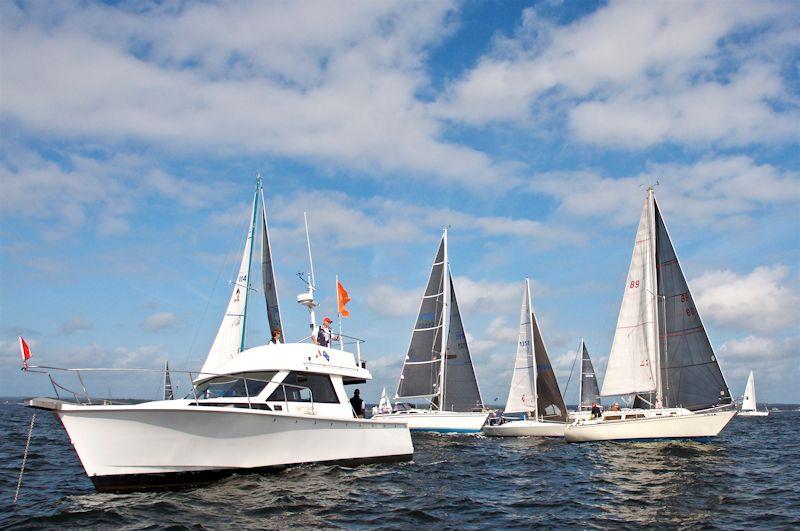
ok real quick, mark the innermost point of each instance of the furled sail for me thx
(632, 361)
(230, 336)
(690, 374)
(590, 392)
(461, 392)
(268, 276)
(421, 368)
(549, 402)
(522, 395)
(749, 401)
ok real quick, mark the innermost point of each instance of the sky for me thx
(131, 133)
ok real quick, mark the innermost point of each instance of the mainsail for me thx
(749, 400)
(168, 392)
(690, 375)
(589, 393)
(230, 336)
(268, 275)
(461, 392)
(422, 365)
(533, 384)
(632, 361)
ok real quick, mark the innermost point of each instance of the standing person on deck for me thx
(357, 404)
(325, 334)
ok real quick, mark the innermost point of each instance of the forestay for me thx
(421, 368)
(633, 352)
(690, 374)
(589, 389)
(461, 392)
(268, 275)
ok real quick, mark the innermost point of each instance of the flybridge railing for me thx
(353, 341)
(79, 396)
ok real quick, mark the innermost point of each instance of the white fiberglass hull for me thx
(422, 420)
(753, 413)
(654, 424)
(131, 447)
(525, 428)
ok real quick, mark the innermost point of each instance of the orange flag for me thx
(342, 298)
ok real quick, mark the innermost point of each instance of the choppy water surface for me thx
(747, 477)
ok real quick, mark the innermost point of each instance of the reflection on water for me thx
(749, 476)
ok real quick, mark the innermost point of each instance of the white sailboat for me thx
(534, 390)
(447, 383)
(251, 409)
(661, 354)
(588, 389)
(749, 405)
(384, 404)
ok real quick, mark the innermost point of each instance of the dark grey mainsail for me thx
(690, 374)
(422, 366)
(168, 393)
(550, 404)
(590, 392)
(268, 276)
(461, 392)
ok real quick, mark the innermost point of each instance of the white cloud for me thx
(76, 324)
(763, 300)
(159, 321)
(391, 301)
(685, 73)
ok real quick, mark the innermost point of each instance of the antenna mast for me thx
(307, 298)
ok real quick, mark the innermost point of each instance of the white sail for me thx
(522, 394)
(749, 402)
(632, 363)
(230, 336)
(384, 405)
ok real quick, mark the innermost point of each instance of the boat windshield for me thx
(233, 386)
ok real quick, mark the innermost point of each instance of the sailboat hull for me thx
(651, 424)
(525, 428)
(141, 446)
(753, 413)
(422, 420)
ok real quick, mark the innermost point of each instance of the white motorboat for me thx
(661, 355)
(250, 409)
(749, 405)
(534, 391)
(446, 384)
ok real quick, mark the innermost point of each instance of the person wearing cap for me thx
(325, 334)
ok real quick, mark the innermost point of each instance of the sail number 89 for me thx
(633, 284)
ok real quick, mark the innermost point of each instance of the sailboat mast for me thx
(532, 347)
(654, 283)
(445, 320)
(250, 236)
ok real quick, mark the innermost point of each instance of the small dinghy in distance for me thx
(534, 391)
(749, 405)
(447, 383)
(250, 409)
(661, 354)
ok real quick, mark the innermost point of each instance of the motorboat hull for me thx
(525, 428)
(753, 413)
(142, 446)
(686, 425)
(420, 420)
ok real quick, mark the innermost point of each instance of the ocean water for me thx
(747, 477)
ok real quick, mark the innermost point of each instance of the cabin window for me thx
(612, 417)
(301, 386)
(234, 386)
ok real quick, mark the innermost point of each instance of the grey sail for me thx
(168, 393)
(590, 392)
(690, 374)
(549, 402)
(268, 277)
(461, 392)
(420, 376)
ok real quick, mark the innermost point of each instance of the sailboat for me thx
(661, 356)
(534, 390)
(168, 391)
(446, 383)
(250, 409)
(588, 390)
(749, 405)
(384, 404)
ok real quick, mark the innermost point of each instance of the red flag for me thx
(25, 350)
(342, 297)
